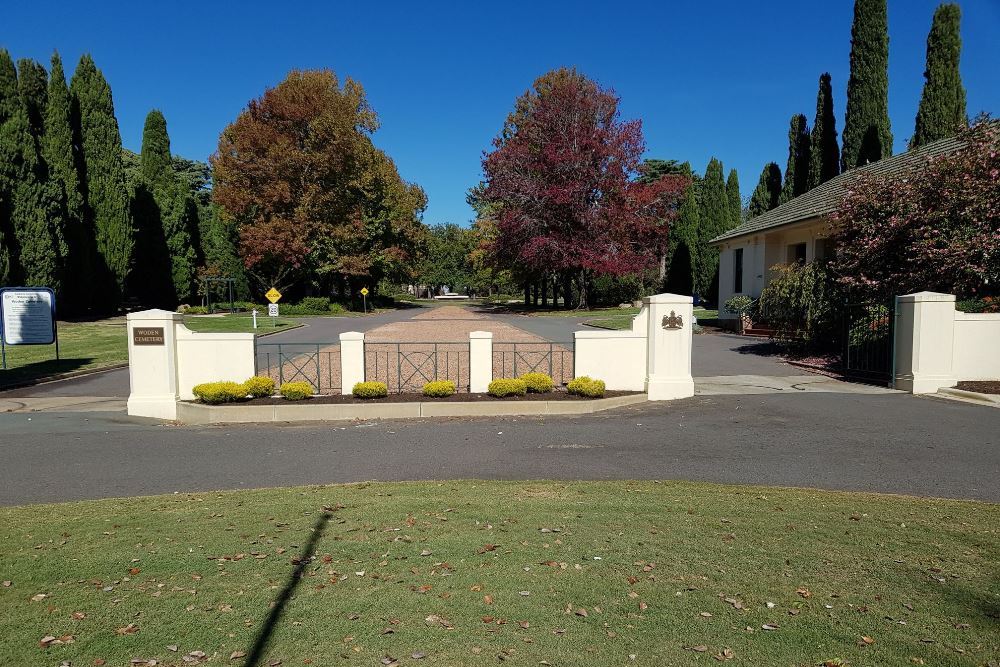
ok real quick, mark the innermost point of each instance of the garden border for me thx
(200, 414)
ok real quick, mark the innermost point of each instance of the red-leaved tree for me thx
(562, 191)
(934, 228)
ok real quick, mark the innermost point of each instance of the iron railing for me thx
(315, 363)
(557, 360)
(869, 340)
(405, 367)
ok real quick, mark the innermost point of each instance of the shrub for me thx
(507, 387)
(259, 386)
(296, 391)
(337, 308)
(803, 303)
(195, 310)
(319, 304)
(439, 388)
(370, 390)
(215, 393)
(586, 386)
(738, 304)
(538, 383)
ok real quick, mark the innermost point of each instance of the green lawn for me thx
(82, 346)
(620, 322)
(605, 573)
(236, 324)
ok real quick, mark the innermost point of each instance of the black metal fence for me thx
(515, 359)
(315, 363)
(405, 367)
(869, 340)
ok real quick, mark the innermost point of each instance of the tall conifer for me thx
(107, 207)
(768, 191)
(867, 132)
(715, 218)
(942, 104)
(797, 168)
(684, 233)
(735, 199)
(824, 152)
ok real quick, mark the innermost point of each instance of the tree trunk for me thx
(545, 291)
(567, 281)
(584, 289)
(527, 293)
(663, 266)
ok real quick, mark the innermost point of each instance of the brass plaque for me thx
(147, 336)
(672, 321)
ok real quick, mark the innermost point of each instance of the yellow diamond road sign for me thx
(273, 295)
(364, 291)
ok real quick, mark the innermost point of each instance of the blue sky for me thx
(706, 78)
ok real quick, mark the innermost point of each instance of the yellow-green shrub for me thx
(259, 386)
(370, 390)
(439, 388)
(586, 386)
(538, 383)
(296, 391)
(215, 393)
(507, 387)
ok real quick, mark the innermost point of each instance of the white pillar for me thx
(152, 363)
(925, 341)
(352, 360)
(480, 361)
(668, 358)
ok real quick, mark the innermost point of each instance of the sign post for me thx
(254, 318)
(273, 295)
(364, 299)
(27, 317)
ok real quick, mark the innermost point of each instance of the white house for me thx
(798, 230)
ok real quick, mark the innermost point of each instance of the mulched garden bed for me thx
(980, 386)
(420, 398)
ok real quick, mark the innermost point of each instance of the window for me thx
(797, 253)
(738, 270)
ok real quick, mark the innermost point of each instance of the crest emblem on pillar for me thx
(672, 321)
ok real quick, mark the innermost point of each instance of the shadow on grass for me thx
(256, 653)
(38, 371)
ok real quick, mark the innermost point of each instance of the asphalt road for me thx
(891, 443)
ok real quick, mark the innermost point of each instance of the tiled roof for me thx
(825, 198)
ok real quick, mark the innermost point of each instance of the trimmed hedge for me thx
(538, 383)
(439, 388)
(259, 386)
(215, 393)
(296, 391)
(507, 387)
(370, 390)
(586, 386)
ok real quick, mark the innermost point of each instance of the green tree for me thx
(797, 169)
(107, 201)
(9, 106)
(715, 217)
(824, 155)
(447, 259)
(767, 193)
(685, 232)
(170, 207)
(735, 199)
(942, 104)
(33, 83)
(867, 132)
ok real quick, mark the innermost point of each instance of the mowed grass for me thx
(82, 346)
(621, 322)
(475, 573)
(236, 324)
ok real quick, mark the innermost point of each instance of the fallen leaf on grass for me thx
(8, 583)
(236, 655)
(769, 626)
(50, 640)
(418, 655)
(434, 619)
(699, 648)
(487, 599)
(172, 648)
(38, 597)
(100, 662)
(866, 641)
(78, 616)
(705, 614)
(724, 654)
(804, 592)
(581, 612)
(486, 547)
(129, 629)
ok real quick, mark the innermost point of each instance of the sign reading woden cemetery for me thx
(147, 336)
(28, 315)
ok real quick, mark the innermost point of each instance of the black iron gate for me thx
(869, 340)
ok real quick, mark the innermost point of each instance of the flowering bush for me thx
(507, 387)
(259, 386)
(215, 393)
(296, 391)
(370, 390)
(538, 383)
(586, 386)
(439, 388)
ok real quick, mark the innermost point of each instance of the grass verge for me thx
(594, 573)
(236, 324)
(621, 322)
(82, 346)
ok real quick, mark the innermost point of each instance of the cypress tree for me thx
(107, 208)
(867, 133)
(684, 233)
(735, 199)
(768, 191)
(32, 82)
(797, 169)
(167, 214)
(942, 104)
(9, 159)
(824, 156)
(715, 218)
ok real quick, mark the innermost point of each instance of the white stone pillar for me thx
(925, 342)
(668, 358)
(152, 363)
(352, 360)
(480, 361)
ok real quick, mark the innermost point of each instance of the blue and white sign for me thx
(27, 316)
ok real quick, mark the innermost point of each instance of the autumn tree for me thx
(797, 167)
(562, 182)
(867, 132)
(824, 156)
(316, 204)
(767, 194)
(935, 227)
(942, 104)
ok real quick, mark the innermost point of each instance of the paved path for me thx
(889, 443)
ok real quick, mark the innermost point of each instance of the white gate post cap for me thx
(154, 314)
(480, 334)
(352, 335)
(926, 297)
(668, 298)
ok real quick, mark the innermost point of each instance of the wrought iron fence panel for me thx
(869, 340)
(552, 358)
(406, 367)
(315, 363)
